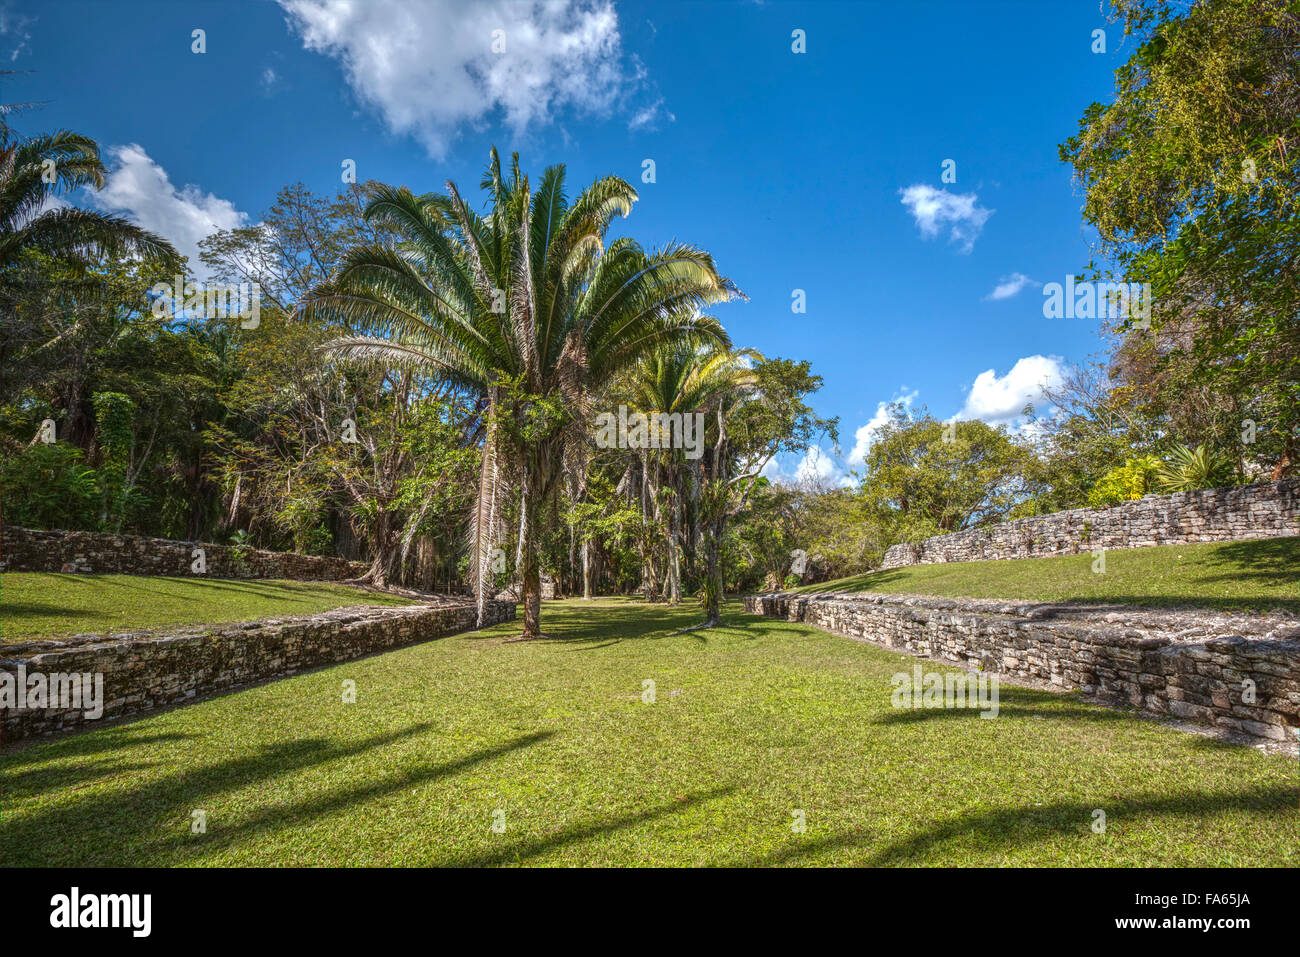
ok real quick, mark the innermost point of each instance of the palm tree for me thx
(1192, 469)
(685, 379)
(527, 305)
(33, 172)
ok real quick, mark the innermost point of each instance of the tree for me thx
(675, 381)
(1192, 179)
(33, 173)
(527, 305)
(296, 246)
(1098, 424)
(926, 478)
(837, 530)
(762, 413)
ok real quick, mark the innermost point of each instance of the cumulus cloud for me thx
(431, 68)
(139, 189)
(937, 209)
(867, 433)
(815, 465)
(999, 400)
(1009, 286)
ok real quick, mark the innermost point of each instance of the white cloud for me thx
(933, 209)
(999, 400)
(1009, 286)
(867, 433)
(649, 117)
(814, 465)
(15, 26)
(430, 68)
(140, 189)
(268, 78)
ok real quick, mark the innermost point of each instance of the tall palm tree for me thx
(681, 379)
(528, 305)
(33, 172)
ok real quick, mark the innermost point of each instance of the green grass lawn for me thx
(44, 605)
(1230, 576)
(751, 722)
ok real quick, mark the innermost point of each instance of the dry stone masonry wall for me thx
(144, 671)
(30, 550)
(1190, 665)
(1263, 510)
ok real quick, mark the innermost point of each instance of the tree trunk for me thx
(532, 588)
(674, 553)
(382, 545)
(529, 564)
(485, 517)
(586, 570)
(713, 591)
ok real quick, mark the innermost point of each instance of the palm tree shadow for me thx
(110, 739)
(592, 626)
(519, 852)
(274, 819)
(128, 819)
(1020, 826)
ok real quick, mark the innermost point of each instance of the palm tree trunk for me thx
(674, 550)
(485, 516)
(530, 580)
(713, 591)
(527, 560)
(586, 570)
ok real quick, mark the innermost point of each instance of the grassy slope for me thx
(751, 721)
(1232, 576)
(42, 605)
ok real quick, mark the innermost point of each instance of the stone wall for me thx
(144, 671)
(1190, 665)
(30, 550)
(1263, 510)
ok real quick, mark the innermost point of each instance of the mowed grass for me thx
(46, 605)
(1229, 576)
(552, 741)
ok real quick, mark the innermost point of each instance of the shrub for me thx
(48, 485)
(1126, 482)
(1192, 469)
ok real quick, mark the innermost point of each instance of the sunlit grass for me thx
(750, 723)
(44, 605)
(1231, 576)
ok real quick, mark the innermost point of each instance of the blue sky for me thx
(820, 171)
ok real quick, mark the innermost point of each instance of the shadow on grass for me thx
(599, 624)
(1222, 603)
(639, 620)
(117, 821)
(275, 819)
(1013, 702)
(1020, 826)
(105, 739)
(1280, 555)
(45, 780)
(533, 847)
